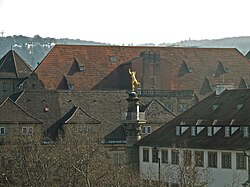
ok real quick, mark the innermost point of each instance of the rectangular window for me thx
(27, 130)
(187, 157)
(193, 131)
(240, 161)
(209, 131)
(164, 156)
(4, 87)
(245, 132)
(226, 160)
(149, 129)
(212, 159)
(175, 157)
(227, 131)
(146, 129)
(178, 130)
(118, 158)
(155, 155)
(145, 155)
(2, 130)
(182, 107)
(199, 158)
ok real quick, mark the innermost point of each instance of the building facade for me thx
(208, 144)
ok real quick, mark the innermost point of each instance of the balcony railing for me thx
(166, 93)
(133, 116)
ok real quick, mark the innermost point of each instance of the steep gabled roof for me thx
(117, 136)
(230, 109)
(78, 115)
(13, 66)
(44, 105)
(11, 113)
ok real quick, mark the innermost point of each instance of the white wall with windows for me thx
(218, 167)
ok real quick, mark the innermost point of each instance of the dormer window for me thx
(178, 130)
(79, 64)
(245, 132)
(184, 69)
(71, 87)
(227, 131)
(214, 107)
(81, 67)
(215, 122)
(209, 131)
(193, 131)
(113, 58)
(221, 69)
(239, 106)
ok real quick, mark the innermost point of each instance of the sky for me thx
(126, 21)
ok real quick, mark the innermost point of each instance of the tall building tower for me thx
(133, 122)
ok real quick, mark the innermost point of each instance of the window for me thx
(81, 68)
(83, 129)
(182, 107)
(209, 131)
(146, 129)
(164, 156)
(227, 131)
(187, 157)
(175, 157)
(2, 130)
(113, 59)
(240, 161)
(199, 158)
(193, 131)
(27, 130)
(212, 159)
(145, 155)
(155, 155)
(245, 132)
(178, 130)
(71, 86)
(4, 87)
(169, 107)
(226, 160)
(118, 158)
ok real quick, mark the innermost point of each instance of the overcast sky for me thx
(126, 21)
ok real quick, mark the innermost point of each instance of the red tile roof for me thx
(101, 62)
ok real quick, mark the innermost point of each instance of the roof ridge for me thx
(14, 61)
(9, 99)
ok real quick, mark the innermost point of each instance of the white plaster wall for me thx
(219, 177)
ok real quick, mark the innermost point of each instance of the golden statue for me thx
(134, 80)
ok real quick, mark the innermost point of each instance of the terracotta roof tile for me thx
(102, 73)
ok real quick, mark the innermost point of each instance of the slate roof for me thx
(44, 105)
(13, 66)
(102, 70)
(231, 109)
(8, 108)
(51, 105)
(76, 115)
